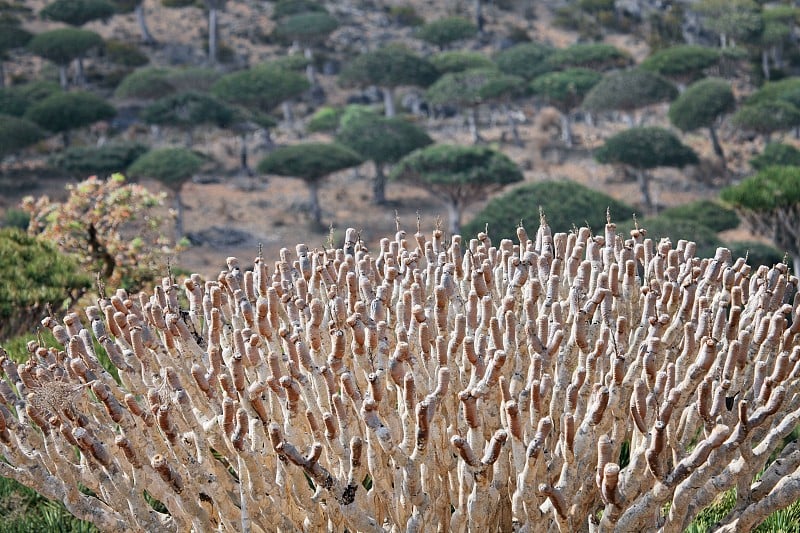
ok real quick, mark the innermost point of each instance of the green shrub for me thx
(170, 166)
(390, 66)
(188, 109)
(62, 112)
(125, 54)
(287, 8)
(263, 87)
(705, 212)
(526, 60)
(84, 161)
(594, 56)
(78, 12)
(459, 61)
(767, 117)
(682, 60)
(306, 27)
(406, 15)
(566, 204)
(567, 88)
(16, 218)
(776, 154)
(64, 44)
(445, 31)
(326, 119)
(626, 90)
(16, 133)
(145, 83)
(17, 99)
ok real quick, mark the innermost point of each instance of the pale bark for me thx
(141, 19)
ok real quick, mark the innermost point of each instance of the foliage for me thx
(113, 228)
(771, 188)
(787, 90)
(188, 109)
(64, 44)
(296, 62)
(595, 56)
(757, 253)
(471, 87)
(565, 89)
(325, 119)
(78, 12)
(146, 83)
(84, 161)
(445, 31)
(737, 19)
(685, 61)
(527, 60)
(459, 60)
(776, 154)
(171, 166)
(380, 139)
(15, 100)
(192, 78)
(17, 133)
(287, 8)
(391, 66)
(307, 27)
(646, 148)
(62, 112)
(406, 15)
(15, 218)
(308, 161)
(13, 37)
(261, 88)
(706, 213)
(701, 104)
(36, 277)
(767, 117)
(566, 204)
(626, 90)
(125, 54)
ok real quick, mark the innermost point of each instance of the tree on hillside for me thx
(643, 149)
(446, 31)
(627, 91)
(172, 167)
(459, 61)
(682, 63)
(469, 89)
(187, 110)
(703, 105)
(526, 60)
(63, 112)
(17, 133)
(380, 140)
(11, 38)
(787, 90)
(64, 45)
(82, 161)
(731, 20)
(594, 56)
(776, 154)
(566, 204)
(388, 68)
(310, 162)
(137, 6)
(212, 7)
(778, 33)
(308, 30)
(145, 83)
(78, 12)
(15, 100)
(769, 203)
(457, 175)
(768, 117)
(565, 90)
(287, 8)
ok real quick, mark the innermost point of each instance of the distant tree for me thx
(776, 154)
(388, 68)
(145, 83)
(308, 30)
(325, 119)
(125, 54)
(287, 8)
(682, 63)
(64, 45)
(565, 90)
(17, 133)
(766, 118)
(15, 100)
(459, 61)
(787, 90)
(11, 38)
(172, 167)
(594, 56)
(310, 162)
(381, 140)
(63, 112)
(83, 161)
(643, 149)
(526, 60)
(628, 90)
(445, 31)
(709, 213)
(198, 79)
(187, 110)
(780, 23)
(470, 88)
(731, 20)
(769, 203)
(137, 6)
(566, 204)
(457, 175)
(213, 7)
(78, 12)
(703, 105)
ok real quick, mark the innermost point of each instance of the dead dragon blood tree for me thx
(424, 386)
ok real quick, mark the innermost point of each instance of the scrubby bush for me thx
(15, 100)
(706, 213)
(325, 119)
(458, 61)
(62, 112)
(145, 83)
(595, 56)
(78, 12)
(776, 154)
(125, 54)
(84, 161)
(63, 45)
(685, 62)
(767, 117)
(626, 90)
(262, 88)
(445, 31)
(287, 8)
(187, 110)
(787, 89)
(406, 15)
(307, 28)
(527, 60)
(565, 89)
(16, 133)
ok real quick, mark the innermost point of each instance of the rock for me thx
(217, 236)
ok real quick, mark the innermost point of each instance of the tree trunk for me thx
(80, 78)
(178, 215)
(479, 16)
(212, 35)
(765, 63)
(566, 130)
(715, 143)
(643, 178)
(388, 102)
(454, 216)
(189, 138)
(314, 208)
(288, 115)
(513, 123)
(244, 167)
(2, 75)
(472, 121)
(147, 37)
(379, 185)
(65, 138)
(62, 77)
(311, 71)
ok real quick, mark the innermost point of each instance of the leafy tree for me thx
(776, 154)
(628, 90)
(731, 20)
(787, 90)
(381, 140)
(389, 67)
(83, 161)
(287, 8)
(310, 30)
(125, 54)
(78, 12)
(457, 175)
(565, 90)
(137, 6)
(780, 23)
(261, 88)
(643, 149)
(595, 56)
(769, 202)
(199, 79)
(707, 213)
(15, 100)
(145, 83)
(17, 133)
(188, 110)
(683, 63)
(566, 204)
(445, 31)
(172, 167)
(11, 38)
(766, 118)
(62, 112)
(64, 45)
(37, 280)
(325, 119)
(703, 105)
(459, 61)
(310, 162)
(113, 228)
(527, 60)
(470, 88)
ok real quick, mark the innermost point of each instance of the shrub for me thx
(706, 213)
(626, 90)
(767, 117)
(565, 89)
(125, 54)
(645, 148)
(64, 44)
(458, 61)
(16, 218)
(527, 60)
(188, 109)
(390, 66)
(84, 161)
(702, 104)
(406, 15)
(199, 79)
(11, 37)
(306, 27)
(16, 133)
(684, 61)
(566, 204)
(588, 55)
(325, 119)
(170, 166)
(61, 112)
(263, 87)
(287, 8)
(446, 31)
(776, 154)
(15, 100)
(145, 83)
(78, 12)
